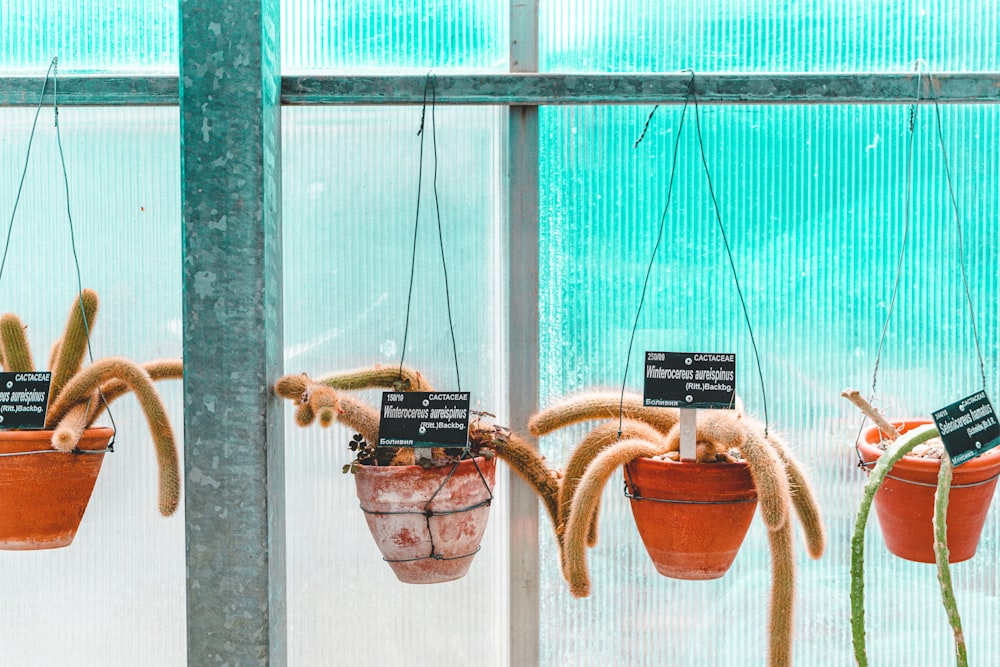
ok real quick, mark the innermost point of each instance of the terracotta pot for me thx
(905, 501)
(692, 517)
(424, 548)
(44, 493)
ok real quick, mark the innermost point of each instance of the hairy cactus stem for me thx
(603, 406)
(584, 506)
(161, 369)
(770, 478)
(530, 466)
(600, 438)
(389, 377)
(803, 499)
(68, 432)
(14, 343)
(73, 343)
(83, 385)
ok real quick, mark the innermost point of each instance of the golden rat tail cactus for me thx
(78, 395)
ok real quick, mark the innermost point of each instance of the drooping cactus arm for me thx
(600, 405)
(768, 472)
(603, 436)
(73, 343)
(585, 502)
(889, 457)
(803, 499)
(83, 385)
(941, 560)
(14, 344)
(389, 377)
(68, 432)
(161, 369)
(528, 463)
(782, 602)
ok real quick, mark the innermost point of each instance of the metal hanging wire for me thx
(919, 68)
(53, 73)
(691, 96)
(429, 88)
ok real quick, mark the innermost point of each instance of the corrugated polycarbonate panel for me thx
(759, 36)
(350, 187)
(88, 35)
(812, 199)
(116, 595)
(391, 36)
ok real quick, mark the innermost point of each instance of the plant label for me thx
(690, 380)
(968, 427)
(24, 399)
(424, 419)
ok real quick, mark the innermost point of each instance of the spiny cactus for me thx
(313, 397)
(779, 478)
(78, 395)
(16, 351)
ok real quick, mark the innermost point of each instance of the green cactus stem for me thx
(85, 383)
(600, 405)
(940, 521)
(16, 351)
(585, 504)
(73, 343)
(67, 434)
(889, 457)
(603, 436)
(388, 377)
(803, 499)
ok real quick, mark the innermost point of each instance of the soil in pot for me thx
(44, 493)
(905, 501)
(427, 523)
(692, 517)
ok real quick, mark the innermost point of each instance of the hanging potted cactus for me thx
(47, 475)
(929, 511)
(427, 517)
(674, 502)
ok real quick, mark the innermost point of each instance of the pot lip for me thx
(94, 438)
(689, 465)
(869, 437)
(483, 461)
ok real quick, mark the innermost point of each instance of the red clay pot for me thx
(423, 549)
(692, 517)
(43, 495)
(905, 501)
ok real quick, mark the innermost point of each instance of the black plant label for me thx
(968, 427)
(690, 380)
(24, 398)
(424, 419)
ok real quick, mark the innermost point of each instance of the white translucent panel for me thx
(116, 596)
(393, 36)
(349, 201)
(88, 35)
(812, 199)
(761, 36)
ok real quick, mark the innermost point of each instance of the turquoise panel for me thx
(812, 200)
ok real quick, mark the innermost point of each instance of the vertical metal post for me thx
(233, 455)
(523, 335)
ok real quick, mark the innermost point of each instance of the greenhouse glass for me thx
(812, 198)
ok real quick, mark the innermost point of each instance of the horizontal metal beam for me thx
(580, 89)
(92, 90)
(536, 89)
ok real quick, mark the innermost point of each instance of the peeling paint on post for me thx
(234, 455)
